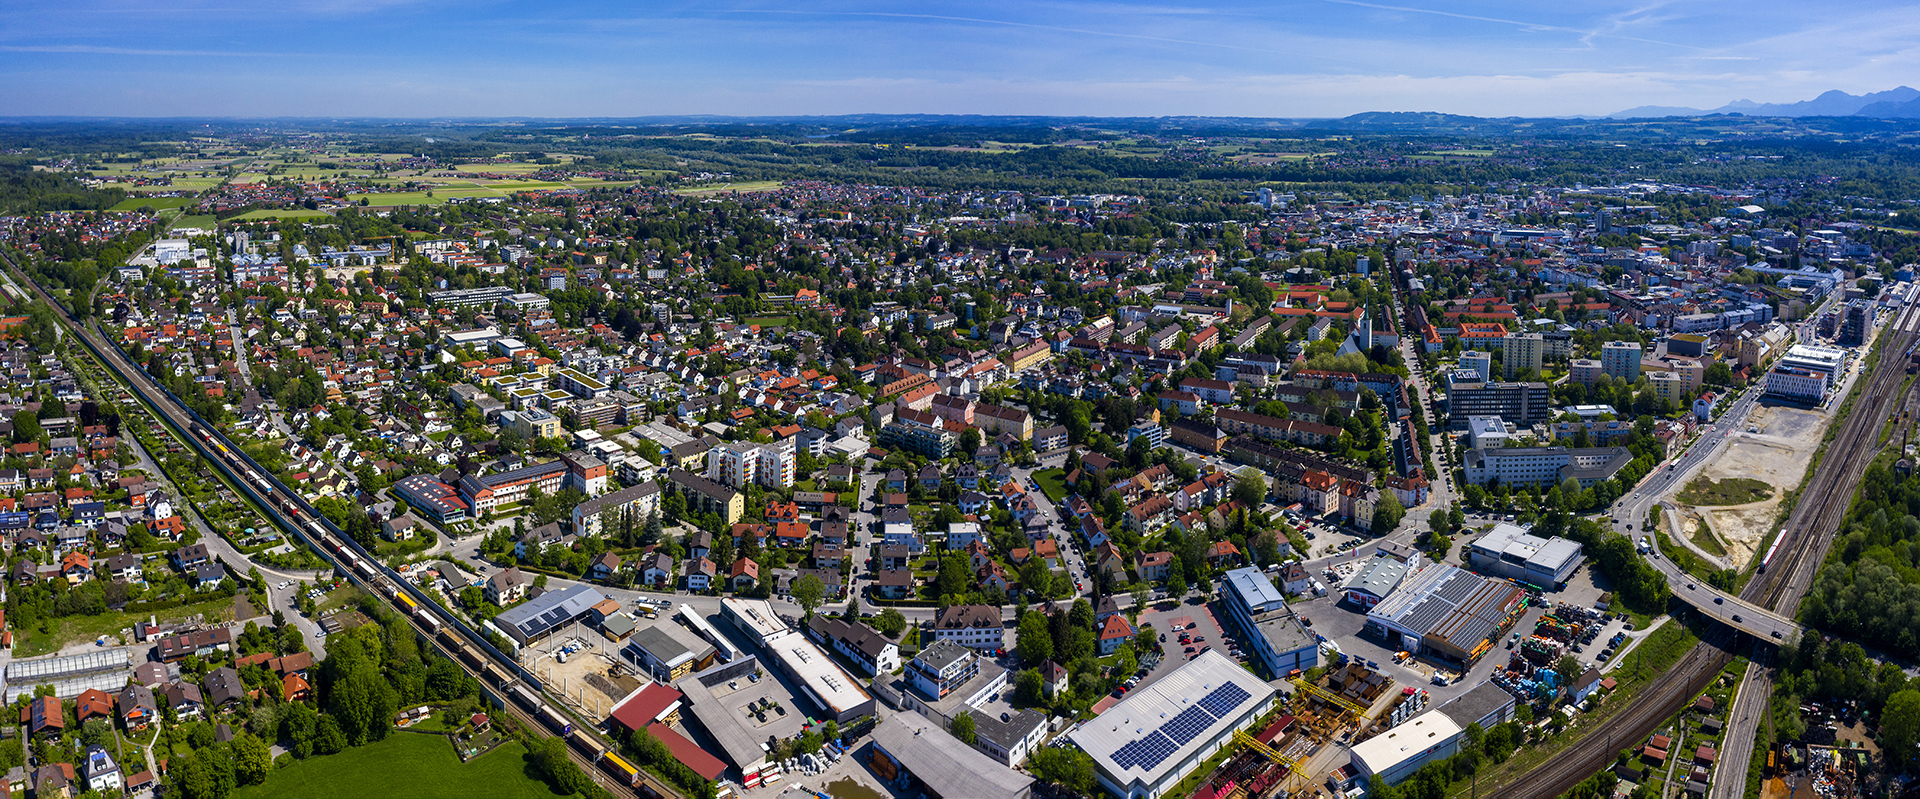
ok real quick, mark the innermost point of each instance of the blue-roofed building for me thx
(1273, 633)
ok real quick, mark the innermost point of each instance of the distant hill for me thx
(1892, 110)
(1407, 121)
(1657, 111)
(1834, 103)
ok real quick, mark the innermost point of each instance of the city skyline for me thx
(1324, 58)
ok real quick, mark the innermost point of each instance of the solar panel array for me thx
(1183, 727)
(1150, 750)
(1224, 699)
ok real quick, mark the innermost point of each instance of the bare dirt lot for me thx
(1778, 456)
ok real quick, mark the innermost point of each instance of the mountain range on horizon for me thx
(1897, 103)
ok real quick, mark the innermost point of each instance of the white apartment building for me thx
(737, 463)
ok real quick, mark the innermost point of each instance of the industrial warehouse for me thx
(1434, 735)
(1508, 551)
(1448, 613)
(1145, 744)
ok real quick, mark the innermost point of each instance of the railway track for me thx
(495, 671)
(1784, 577)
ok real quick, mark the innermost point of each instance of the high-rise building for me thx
(1620, 360)
(1523, 351)
(1856, 324)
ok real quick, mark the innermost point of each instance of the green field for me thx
(768, 321)
(1053, 483)
(1731, 491)
(404, 766)
(525, 185)
(135, 203)
(74, 629)
(283, 213)
(207, 222)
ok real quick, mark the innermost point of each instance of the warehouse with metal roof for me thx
(1509, 551)
(1447, 612)
(541, 616)
(1147, 743)
(1374, 581)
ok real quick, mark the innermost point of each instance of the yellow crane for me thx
(1241, 737)
(1330, 698)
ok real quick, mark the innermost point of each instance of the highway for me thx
(293, 513)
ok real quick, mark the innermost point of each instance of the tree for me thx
(1387, 514)
(1065, 766)
(1900, 726)
(1250, 489)
(26, 427)
(890, 622)
(809, 592)
(969, 441)
(252, 760)
(1029, 688)
(1176, 583)
(953, 580)
(1034, 641)
(1569, 668)
(962, 728)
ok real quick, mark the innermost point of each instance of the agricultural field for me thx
(283, 213)
(158, 203)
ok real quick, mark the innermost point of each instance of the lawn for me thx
(769, 321)
(404, 766)
(281, 213)
(207, 222)
(1731, 491)
(1053, 483)
(32, 643)
(136, 203)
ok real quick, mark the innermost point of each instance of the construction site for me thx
(1346, 705)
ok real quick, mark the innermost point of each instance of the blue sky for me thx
(1287, 58)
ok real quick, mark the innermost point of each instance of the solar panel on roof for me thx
(1221, 701)
(1186, 725)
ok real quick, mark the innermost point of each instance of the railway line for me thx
(1781, 580)
(516, 690)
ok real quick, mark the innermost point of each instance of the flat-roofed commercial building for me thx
(1510, 552)
(1524, 404)
(1397, 753)
(1814, 358)
(1272, 631)
(1544, 465)
(830, 688)
(945, 768)
(1143, 746)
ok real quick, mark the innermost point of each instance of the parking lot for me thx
(1342, 622)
